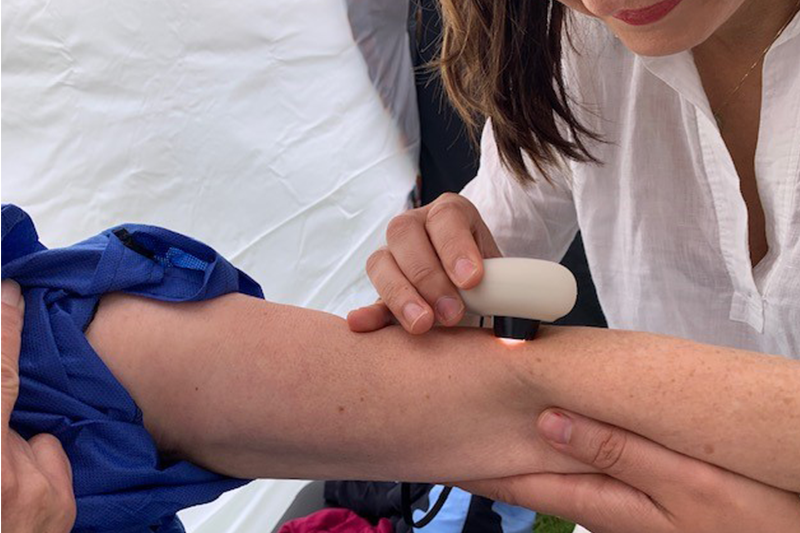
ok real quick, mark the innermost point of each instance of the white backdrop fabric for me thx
(254, 126)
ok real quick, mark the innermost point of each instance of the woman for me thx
(668, 133)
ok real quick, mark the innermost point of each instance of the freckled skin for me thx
(252, 396)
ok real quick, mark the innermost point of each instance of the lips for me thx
(647, 15)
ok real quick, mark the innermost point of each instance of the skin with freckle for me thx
(254, 395)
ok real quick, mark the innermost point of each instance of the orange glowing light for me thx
(511, 342)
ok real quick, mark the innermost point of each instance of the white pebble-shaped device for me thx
(520, 293)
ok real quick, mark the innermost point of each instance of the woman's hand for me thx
(431, 252)
(637, 485)
(37, 479)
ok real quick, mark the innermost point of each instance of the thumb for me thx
(12, 317)
(631, 458)
(52, 461)
(370, 318)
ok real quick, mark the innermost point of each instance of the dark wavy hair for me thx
(501, 59)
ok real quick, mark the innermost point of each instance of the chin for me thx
(655, 45)
(689, 25)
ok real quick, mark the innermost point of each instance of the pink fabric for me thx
(335, 521)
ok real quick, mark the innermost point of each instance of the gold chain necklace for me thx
(724, 106)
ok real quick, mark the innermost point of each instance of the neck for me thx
(752, 27)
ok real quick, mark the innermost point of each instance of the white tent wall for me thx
(255, 127)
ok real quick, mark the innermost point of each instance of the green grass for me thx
(551, 524)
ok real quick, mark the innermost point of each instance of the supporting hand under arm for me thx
(633, 484)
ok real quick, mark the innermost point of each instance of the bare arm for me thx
(254, 389)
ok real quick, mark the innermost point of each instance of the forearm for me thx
(259, 390)
(736, 409)
(254, 389)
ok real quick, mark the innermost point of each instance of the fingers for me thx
(636, 461)
(485, 240)
(599, 502)
(12, 317)
(451, 223)
(52, 461)
(45, 495)
(411, 248)
(641, 486)
(431, 253)
(399, 295)
(370, 318)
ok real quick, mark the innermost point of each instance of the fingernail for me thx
(412, 312)
(464, 270)
(556, 427)
(12, 294)
(448, 308)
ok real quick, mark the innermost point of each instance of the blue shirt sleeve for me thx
(121, 482)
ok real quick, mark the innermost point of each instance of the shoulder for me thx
(495, 183)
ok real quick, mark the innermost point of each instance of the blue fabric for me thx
(459, 516)
(514, 519)
(121, 483)
(451, 518)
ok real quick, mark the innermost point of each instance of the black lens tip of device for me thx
(507, 327)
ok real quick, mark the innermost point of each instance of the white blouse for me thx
(663, 220)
